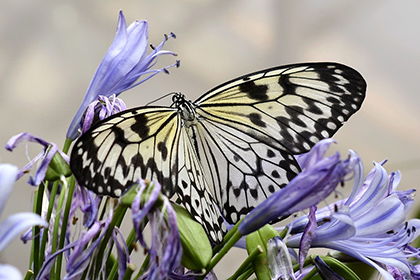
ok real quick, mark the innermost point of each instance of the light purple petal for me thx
(317, 152)
(122, 251)
(307, 236)
(387, 214)
(43, 167)
(124, 63)
(17, 223)
(8, 272)
(14, 141)
(308, 188)
(8, 175)
(279, 260)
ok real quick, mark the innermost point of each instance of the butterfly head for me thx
(185, 107)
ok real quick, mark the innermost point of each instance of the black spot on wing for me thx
(257, 92)
(162, 148)
(255, 118)
(140, 126)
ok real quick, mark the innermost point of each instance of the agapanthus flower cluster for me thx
(76, 234)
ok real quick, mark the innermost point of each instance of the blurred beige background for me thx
(49, 51)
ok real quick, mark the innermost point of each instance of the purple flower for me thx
(165, 250)
(81, 251)
(125, 65)
(88, 203)
(45, 157)
(14, 224)
(100, 109)
(319, 177)
(370, 225)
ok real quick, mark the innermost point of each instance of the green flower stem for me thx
(143, 267)
(246, 274)
(114, 268)
(66, 145)
(129, 241)
(115, 222)
(130, 270)
(228, 235)
(47, 218)
(64, 224)
(29, 275)
(246, 264)
(39, 194)
(310, 274)
(223, 251)
(56, 227)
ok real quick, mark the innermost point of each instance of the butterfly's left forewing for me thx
(140, 143)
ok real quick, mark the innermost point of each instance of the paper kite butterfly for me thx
(225, 153)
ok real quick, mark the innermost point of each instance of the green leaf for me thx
(339, 267)
(260, 238)
(58, 167)
(197, 250)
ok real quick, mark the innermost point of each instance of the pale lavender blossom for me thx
(14, 224)
(165, 250)
(125, 65)
(44, 157)
(370, 225)
(319, 177)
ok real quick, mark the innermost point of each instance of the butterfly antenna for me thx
(160, 98)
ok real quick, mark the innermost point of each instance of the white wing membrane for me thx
(236, 149)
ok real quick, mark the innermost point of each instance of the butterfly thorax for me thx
(185, 108)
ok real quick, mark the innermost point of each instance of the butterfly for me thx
(223, 154)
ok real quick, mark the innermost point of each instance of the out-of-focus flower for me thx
(14, 224)
(9, 272)
(125, 65)
(319, 177)
(165, 250)
(370, 225)
(45, 157)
